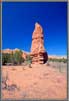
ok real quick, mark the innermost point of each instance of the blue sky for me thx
(19, 20)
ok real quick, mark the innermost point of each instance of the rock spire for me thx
(38, 53)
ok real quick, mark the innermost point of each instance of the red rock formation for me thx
(37, 49)
(24, 55)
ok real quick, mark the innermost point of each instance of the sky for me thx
(18, 23)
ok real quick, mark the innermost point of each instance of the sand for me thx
(38, 82)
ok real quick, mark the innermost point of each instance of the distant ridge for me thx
(57, 57)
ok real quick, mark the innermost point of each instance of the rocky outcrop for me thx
(38, 53)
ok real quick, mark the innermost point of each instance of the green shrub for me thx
(28, 59)
(12, 58)
(6, 58)
(17, 57)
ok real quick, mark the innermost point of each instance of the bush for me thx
(14, 58)
(17, 57)
(28, 59)
(6, 58)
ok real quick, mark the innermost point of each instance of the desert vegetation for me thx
(58, 60)
(15, 58)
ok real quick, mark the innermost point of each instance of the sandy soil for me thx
(38, 82)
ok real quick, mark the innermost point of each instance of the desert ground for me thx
(46, 81)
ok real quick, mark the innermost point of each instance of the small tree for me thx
(17, 57)
(3, 59)
(6, 58)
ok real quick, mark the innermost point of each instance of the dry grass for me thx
(38, 82)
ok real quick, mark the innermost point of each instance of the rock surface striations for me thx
(38, 53)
